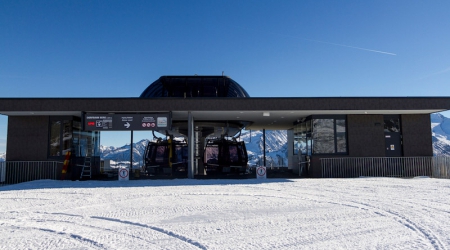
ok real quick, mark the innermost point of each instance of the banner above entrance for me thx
(156, 121)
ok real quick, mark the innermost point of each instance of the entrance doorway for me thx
(392, 136)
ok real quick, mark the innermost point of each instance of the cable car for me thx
(225, 156)
(166, 158)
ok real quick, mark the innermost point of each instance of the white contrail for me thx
(442, 71)
(335, 44)
(352, 47)
(436, 73)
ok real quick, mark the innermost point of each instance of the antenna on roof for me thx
(222, 73)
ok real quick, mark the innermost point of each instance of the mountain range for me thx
(440, 127)
(276, 145)
(276, 149)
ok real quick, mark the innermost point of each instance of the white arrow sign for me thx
(127, 125)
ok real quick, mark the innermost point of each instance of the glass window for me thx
(178, 87)
(194, 86)
(296, 145)
(308, 126)
(55, 138)
(76, 131)
(308, 144)
(160, 156)
(392, 124)
(88, 144)
(209, 87)
(323, 136)
(341, 136)
(319, 135)
(212, 154)
(222, 89)
(302, 136)
(209, 91)
(234, 157)
(300, 146)
(178, 154)
(67, 136)
(243, 152)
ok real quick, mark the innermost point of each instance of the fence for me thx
(441, 167)
(13, 172)
(350, 167)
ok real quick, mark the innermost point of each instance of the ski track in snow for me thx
(86, 242)
(405, 221)
(161, 230)
(364, 213)
(432, 238)
(103, 229)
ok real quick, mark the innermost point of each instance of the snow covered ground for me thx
(363, 213)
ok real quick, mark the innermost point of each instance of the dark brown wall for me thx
(27, 138)
(416, 132)
(365, 136)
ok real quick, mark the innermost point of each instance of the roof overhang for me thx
(267, 113)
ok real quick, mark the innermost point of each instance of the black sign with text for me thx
(157, 121)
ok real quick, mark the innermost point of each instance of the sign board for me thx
(261, 172)
(124, 174)
(157, 121)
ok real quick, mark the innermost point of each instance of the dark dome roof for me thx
(194, 86)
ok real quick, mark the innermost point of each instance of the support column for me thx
(131, 153)
(191, 146)
(264, 146)
(198, 151)
(292, 160)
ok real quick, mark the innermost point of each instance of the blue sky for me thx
(272, 48)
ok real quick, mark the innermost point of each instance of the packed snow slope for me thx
(363, 213)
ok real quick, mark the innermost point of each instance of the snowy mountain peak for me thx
(440, 128)
(276, 148)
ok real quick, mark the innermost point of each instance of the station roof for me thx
(194, 87)
(267, 113)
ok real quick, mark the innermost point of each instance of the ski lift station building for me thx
(44, 129)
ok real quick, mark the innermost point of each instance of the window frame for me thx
(309, 133)
(63, 120)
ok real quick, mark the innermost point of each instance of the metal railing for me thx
(351, 167)
(13, 172)
(441, 167)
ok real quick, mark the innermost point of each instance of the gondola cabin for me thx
(222, 156)
(166, 157)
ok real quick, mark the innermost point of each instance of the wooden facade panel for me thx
(365, 136)
(27, 138)
(417, 138)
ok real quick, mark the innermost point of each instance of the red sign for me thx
(91, 123)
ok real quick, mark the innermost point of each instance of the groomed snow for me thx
(363, 213)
